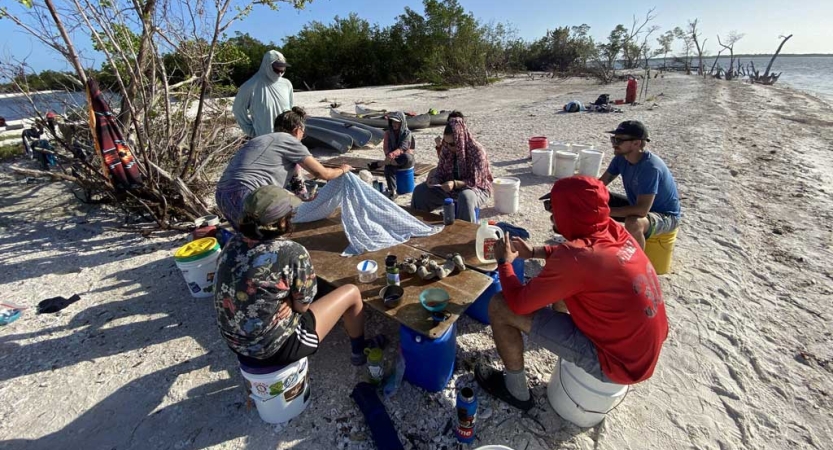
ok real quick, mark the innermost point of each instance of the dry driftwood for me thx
(769, 78)
(43, 174)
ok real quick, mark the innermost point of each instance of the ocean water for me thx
(807, 73)
(15, 108)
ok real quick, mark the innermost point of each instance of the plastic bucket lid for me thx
(196, 250)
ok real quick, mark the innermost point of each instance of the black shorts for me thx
(300, 344)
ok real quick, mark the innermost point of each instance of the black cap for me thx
(633, 128)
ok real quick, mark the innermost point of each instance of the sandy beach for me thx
(139, 364)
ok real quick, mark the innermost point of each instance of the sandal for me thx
(491, 381)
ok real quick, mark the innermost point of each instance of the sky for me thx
(762, 21)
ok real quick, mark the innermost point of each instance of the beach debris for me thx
(55, 304)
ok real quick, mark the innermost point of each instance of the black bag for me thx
(603, 99)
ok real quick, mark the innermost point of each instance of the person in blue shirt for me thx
(652, 205)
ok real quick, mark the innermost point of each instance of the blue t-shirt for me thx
(649, 176)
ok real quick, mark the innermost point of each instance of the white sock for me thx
(516, 384)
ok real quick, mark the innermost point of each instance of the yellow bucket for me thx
(659, 249)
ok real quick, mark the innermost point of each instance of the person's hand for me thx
(284, 311)
(394, 154)
(346, 168)
(438, 140)
(448, 186)
(523, 248)
(503, 249)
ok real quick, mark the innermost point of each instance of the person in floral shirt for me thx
(265, 286)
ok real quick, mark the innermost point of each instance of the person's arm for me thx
(640, 209)
(558, 280)
(240, 109)
(291, 95)
(311, 165)
(607, 177)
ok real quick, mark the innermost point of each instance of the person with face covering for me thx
(610, 319)
(398, 148)
(264, 96)
(462, 173)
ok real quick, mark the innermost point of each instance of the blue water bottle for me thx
(466, 415)
(448, 211)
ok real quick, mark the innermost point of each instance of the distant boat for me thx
(378, 122)
(377, 135)
(435, 119)
(361, 134)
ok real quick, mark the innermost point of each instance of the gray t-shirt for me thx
(270, 159)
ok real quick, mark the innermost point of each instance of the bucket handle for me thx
(561, 380)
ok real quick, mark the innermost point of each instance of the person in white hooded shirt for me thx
(264, 96)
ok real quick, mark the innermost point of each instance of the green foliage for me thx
(9, 151)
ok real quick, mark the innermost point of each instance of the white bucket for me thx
(578, 397)
(493, 447)
(577, 148)
(565, 164)
(590, 162)
(199, 270)
(280, 396)
(507, 196)
(542, 162)
(558, 147)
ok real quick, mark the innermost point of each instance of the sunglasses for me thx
(548, 205)
(450, 144)
(616, 141)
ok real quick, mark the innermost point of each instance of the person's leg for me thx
(511, 385)
(405, 161)
(661, 224)
(466, 203)
(427, 198)
(390, 177)
(345, 302)
(617, 200)
(506, 332)
(637, 227)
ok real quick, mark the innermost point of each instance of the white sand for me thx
(139, 364)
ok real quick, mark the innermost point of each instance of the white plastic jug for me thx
(559, 147)
(542, 162)
(487, 237)
(565, 164)
(590, 162)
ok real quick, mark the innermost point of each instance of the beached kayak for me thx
(377, 134)
(328, 139)
(361, 137)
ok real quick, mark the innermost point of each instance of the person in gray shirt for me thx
(271, 159)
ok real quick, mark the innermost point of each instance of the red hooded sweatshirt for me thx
(607, 282)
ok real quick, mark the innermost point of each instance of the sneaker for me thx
(492, 381)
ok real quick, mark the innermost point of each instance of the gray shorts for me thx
(556, 332)
(661, 224)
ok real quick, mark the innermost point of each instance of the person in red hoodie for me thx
(616, 322)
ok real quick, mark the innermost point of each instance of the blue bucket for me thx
(405, 181)
(429, 363)
(479, 310)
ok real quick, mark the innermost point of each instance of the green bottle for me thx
(375, 365)
(392, 270)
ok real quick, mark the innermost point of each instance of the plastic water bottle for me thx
(466, 415)
(448, 211)
(375, 365)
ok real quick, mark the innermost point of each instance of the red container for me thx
(537, 142)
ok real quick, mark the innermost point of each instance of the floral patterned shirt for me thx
(252, 279)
